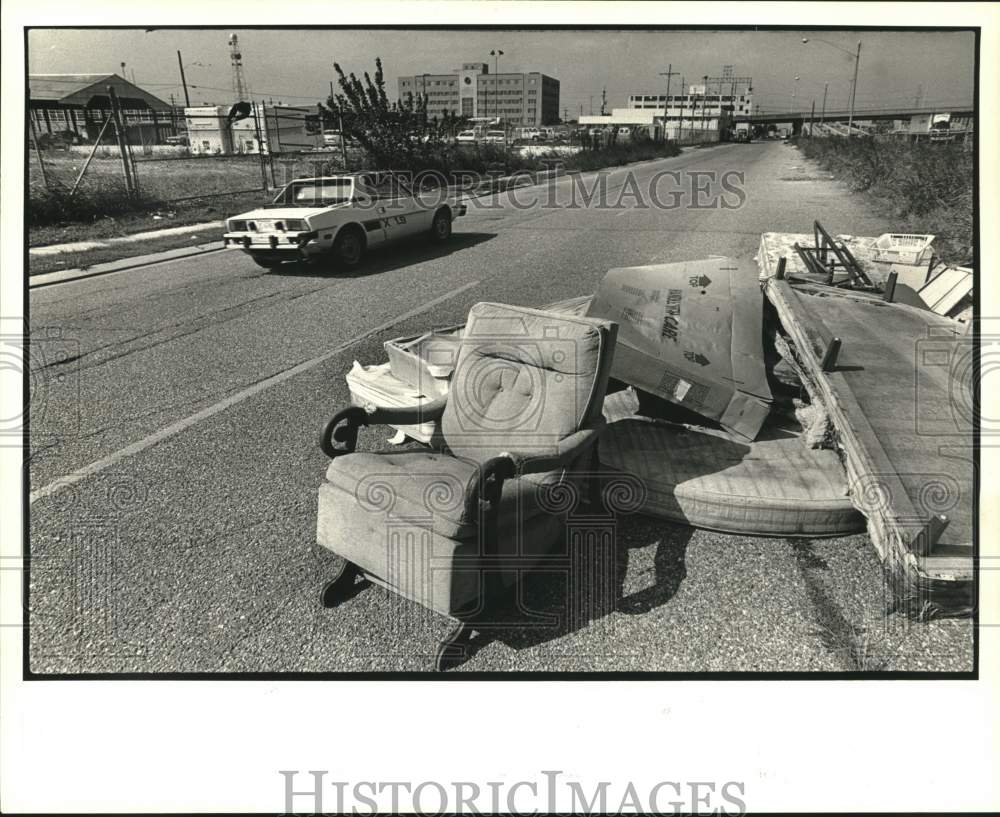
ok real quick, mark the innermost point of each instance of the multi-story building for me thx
(698, 114)
(697, 102)
(472, 91)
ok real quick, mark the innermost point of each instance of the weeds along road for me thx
(187, 398)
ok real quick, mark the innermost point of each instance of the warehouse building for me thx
(79, 104)
(516, 99)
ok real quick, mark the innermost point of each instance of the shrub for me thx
(56, 206)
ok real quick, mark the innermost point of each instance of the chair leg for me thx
(454, 647)
(339, 589)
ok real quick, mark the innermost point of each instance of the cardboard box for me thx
(692, 333)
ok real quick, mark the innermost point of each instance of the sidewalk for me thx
(213, 229)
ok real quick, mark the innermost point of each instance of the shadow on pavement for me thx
(415, 250)
(560, 601)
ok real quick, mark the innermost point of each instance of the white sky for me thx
(295, 66)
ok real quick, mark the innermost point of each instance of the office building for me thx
(472, 91)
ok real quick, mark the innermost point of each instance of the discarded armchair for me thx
(452, 527)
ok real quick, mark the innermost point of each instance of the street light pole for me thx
(496, 54)
(822, 116)
(854, 88)
(856, 56)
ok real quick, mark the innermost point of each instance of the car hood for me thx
(285, 212)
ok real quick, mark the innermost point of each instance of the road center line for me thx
(232, 400)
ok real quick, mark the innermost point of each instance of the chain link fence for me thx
(245, 152)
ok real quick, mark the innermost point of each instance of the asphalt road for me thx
(189, 544)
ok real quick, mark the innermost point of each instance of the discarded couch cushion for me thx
(692, 333)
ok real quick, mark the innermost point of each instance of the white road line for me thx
(232, 400)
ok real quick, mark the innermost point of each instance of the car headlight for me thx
(295, 225)
(237, 226)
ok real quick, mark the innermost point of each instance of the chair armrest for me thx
(343, 426)
(407, 415)
(568, 450)
(483, 496)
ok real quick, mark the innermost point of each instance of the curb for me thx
(66, 276)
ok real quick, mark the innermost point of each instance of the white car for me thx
(466, 136)
(340, 217)
(496, 137)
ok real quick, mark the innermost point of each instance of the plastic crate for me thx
(903, 248)
(426, 361)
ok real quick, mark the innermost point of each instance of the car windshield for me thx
(315, 193)
(496, 133)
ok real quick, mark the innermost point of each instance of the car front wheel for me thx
(441, 226)
(349, 248)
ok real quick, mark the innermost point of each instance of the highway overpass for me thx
(902, 112)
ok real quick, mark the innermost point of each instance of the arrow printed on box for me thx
(697, 357)
(699, 281)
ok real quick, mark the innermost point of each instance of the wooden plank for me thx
(894, 522)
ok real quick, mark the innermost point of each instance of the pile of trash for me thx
(705, 405)
(773, 399)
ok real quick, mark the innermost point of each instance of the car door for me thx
(369, 209)
(420, 208)
(400, 212)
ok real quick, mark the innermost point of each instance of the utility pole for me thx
(260, 145)
(854, 89)
(670, 72)
(122, 140)
(822, 116)
(180, 63)
(704, 99)
(604, 99)
(812, 114)
(343, 138)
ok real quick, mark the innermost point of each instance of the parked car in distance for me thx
(466, 136)
(340, 217)
(496, 137)
(332, 138)
(176, 140)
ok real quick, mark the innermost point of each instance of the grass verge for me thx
(927, 186)
(84, 259)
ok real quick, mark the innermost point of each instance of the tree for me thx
(395, 135)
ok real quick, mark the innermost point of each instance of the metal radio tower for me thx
(240, 89)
